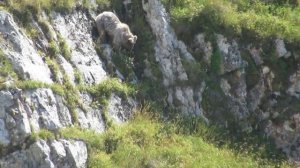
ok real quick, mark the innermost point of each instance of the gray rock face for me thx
(20, 51)
(36, 109)
(120, 110)
(287, 136)
(67, 67)
(167, 49)
(203, 47)
(234, 87)
(168, 53)
(14, 123)
(76, 29)
(280, 49)
(294, 89)
(231, 57)
(255, 54)
(61, 153)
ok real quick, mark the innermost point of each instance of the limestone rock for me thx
(120, 110)
(61, 153)
(231, 56)
(75, 28)
(280, 49)
(167, 49)
(20, 51)
(294, 89)
(256, 55)
(203, 47)
(287, 136)
(67, 67)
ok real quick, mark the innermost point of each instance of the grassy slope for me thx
(238, 17)
(147, 142)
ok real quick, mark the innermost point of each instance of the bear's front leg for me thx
(101, 38)
(116, 43)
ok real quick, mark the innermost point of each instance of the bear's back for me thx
(107, 20)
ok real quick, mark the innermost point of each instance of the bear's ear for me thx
(134, 38)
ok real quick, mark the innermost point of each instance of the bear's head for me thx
(130, 40)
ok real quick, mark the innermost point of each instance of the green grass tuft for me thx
(148, 142)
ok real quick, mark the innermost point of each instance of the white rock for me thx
(204, 47)
(231, 56)
(67, 67)
(294, 89)
(167, 49)
(120, 110)
(6, 100)
(75, 29)
(77, 153)
(44, 107)
(59, 154)
(4, 136)
(19, 49)
(281, 50)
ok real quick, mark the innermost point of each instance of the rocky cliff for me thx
(55, 75)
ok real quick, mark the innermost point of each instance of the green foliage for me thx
(72, 99)
(146, 141)
(216, 61)
(53, 50)
(104, 90)
(30, 84)
(124, 62)
(6, 68)
(37, 6)
(255, 18)
(64, 48)
(78, 77)
(54, 67)
(195, 71)
(42, 134)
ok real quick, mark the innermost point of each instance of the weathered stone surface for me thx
(287, 136)
(120, 110)
(280, 49)
(44, 113)
(167, 49)
(76, 153)
(255, 95)
(231, 56)
(203, 47)
(20, 51)
(234, 87)
(32, 109)
(91, 118)
(256, 55)
(67, 67)
(14, 124)
(294, 89)
(61, 153)
(76, 28)
(168, 53)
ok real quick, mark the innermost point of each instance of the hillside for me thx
(208, 83)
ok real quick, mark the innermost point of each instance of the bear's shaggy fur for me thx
(108, 22)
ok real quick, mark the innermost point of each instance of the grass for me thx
(241, 17)
(6, 68)
(104, 90)
(148, 142)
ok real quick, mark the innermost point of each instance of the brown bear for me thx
(120, 34)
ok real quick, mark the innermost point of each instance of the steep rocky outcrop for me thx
(29, 110)
(57, 153)
(246, 92)
(20, 51)
(169, 53)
